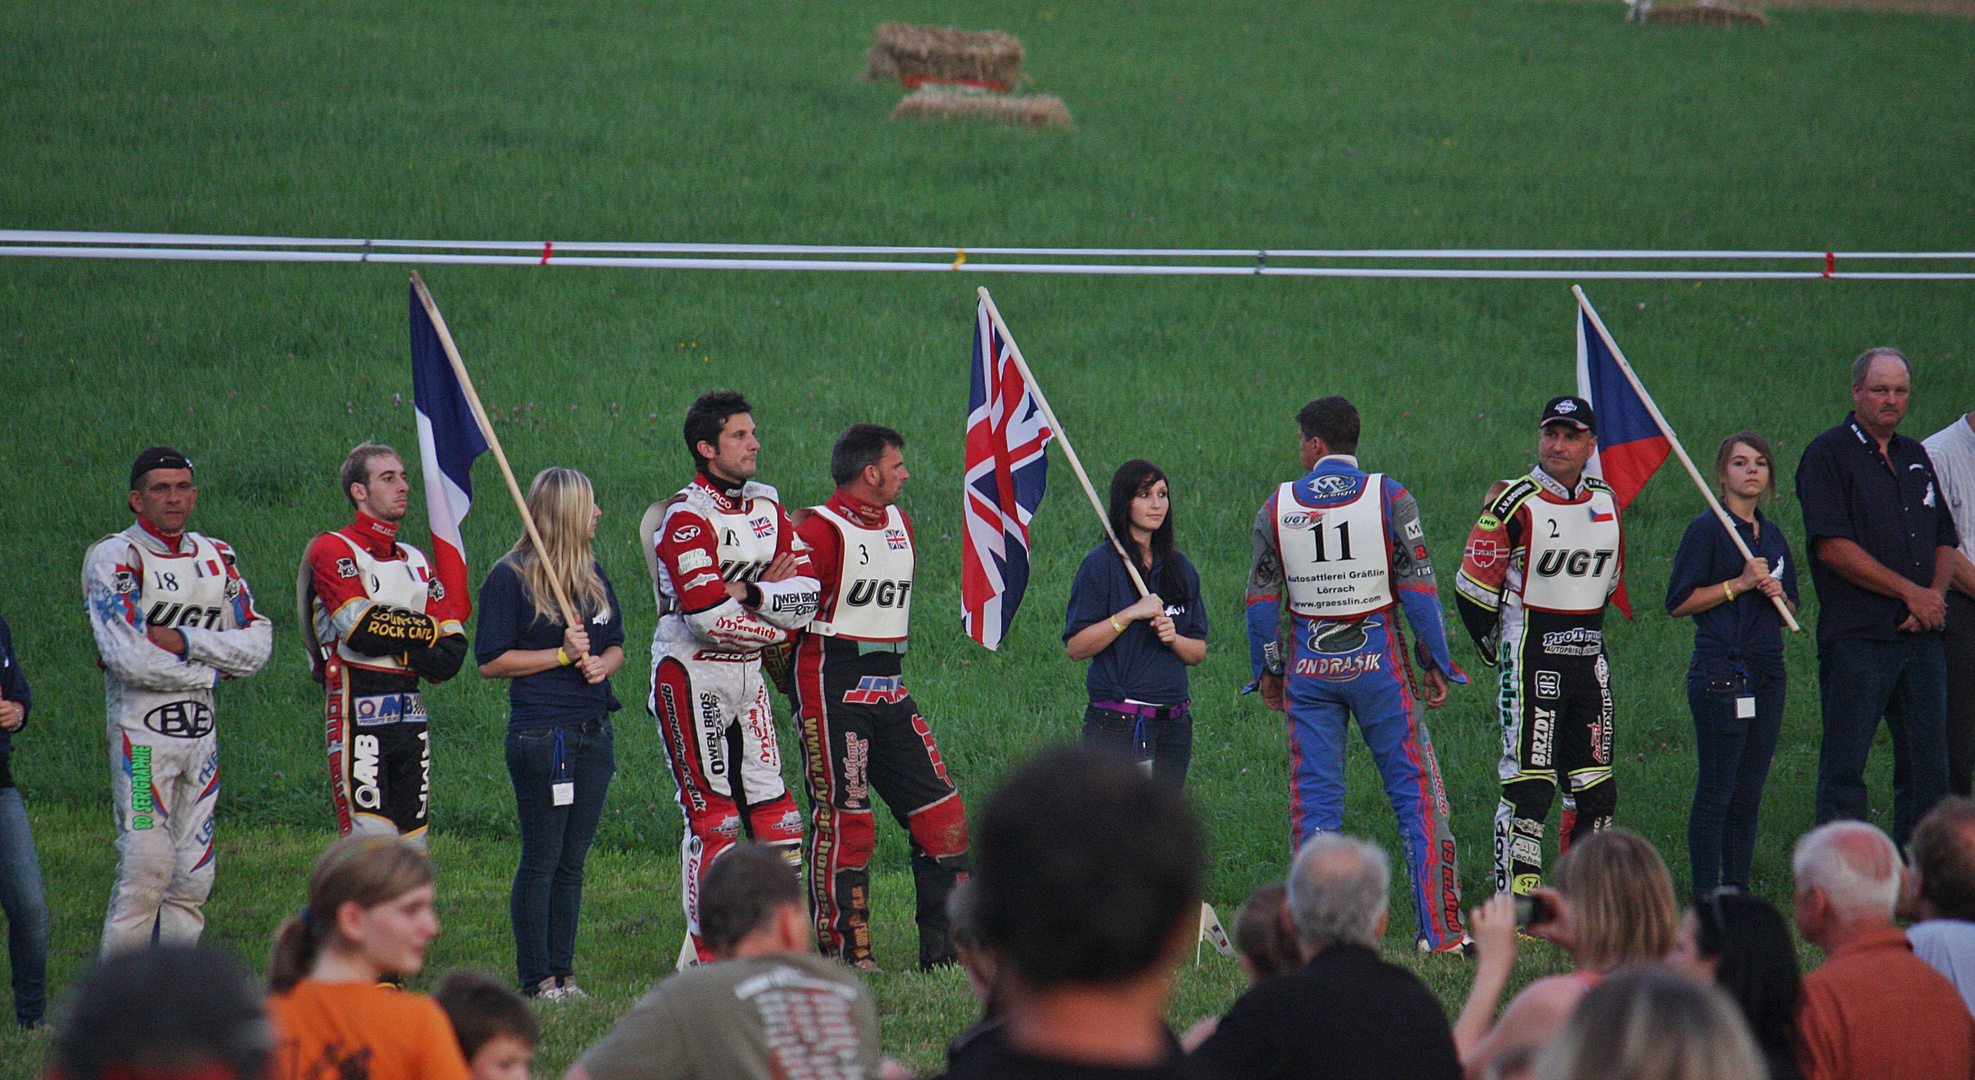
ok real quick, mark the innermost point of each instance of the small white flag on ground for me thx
(1212, 933)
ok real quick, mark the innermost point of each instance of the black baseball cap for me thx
(1569, 410)
(157, 457)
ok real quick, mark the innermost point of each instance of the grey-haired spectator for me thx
(1952, 450)
(1881, 548)
(1940, 892)
(21, 895)
(1873, 1009)
(171, 1010)
(1087, 922)
(767, 1008)
(1345, 1012)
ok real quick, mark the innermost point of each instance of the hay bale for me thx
(919, 55)
(1036, 111)
(1704, 13)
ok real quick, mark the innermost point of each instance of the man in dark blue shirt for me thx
(1882, 545)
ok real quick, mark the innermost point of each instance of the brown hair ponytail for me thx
(365, 870)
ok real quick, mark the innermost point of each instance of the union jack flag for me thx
(1006, 470)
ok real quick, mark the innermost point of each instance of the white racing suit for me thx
(708, 694)
(164, 756)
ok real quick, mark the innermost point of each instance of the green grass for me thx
(1347, 124)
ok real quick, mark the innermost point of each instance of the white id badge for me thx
(564, 792)
(1745, 709)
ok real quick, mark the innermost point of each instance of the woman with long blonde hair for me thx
(560, 747)
(1611, 904)
(369, 917)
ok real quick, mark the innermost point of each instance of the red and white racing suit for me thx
(164, 755)
(708, 694)
(862, 732)
(1538, 569)
(365, 595)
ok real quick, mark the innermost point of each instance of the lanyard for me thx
(562, 786)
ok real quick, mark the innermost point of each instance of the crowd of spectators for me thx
(1071, 940)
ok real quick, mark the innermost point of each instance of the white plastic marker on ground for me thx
(29, 243)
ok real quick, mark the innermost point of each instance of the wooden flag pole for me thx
(494, 444)
(1063, 437)
(1666, 429)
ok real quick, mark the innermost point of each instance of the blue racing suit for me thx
(1346, 656)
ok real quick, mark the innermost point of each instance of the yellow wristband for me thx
(1115, 626)
(562, 657)
(1727, 591)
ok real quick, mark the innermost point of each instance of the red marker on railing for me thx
(1830, 263)
(549, 245)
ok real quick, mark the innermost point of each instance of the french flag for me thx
(1631, 446)
(449, 438)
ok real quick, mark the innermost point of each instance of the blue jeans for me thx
(1734, 752)
(1164, 746)
(548, 885)
(1904, 681)
(26, 908)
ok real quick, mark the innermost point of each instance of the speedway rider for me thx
(362, 596)
(1348, 549)
(731, 578)
(172, 617)
(1538, 570)
(861, 730)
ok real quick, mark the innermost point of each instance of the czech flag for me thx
(1007, 467)
(449, 438)
(1631, 447)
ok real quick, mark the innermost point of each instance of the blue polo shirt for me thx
(1746, 630)
(560, 695)
(1137, 666)
(1890, 504)
(13, 687)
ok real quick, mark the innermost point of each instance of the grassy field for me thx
(1347, 124)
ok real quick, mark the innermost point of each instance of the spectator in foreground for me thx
(1264, 942)
(1736, 679)
(21, 895)
(1612, 904)
(768, 1008)
(1648, 1023)
(1087, 923)
(1264, 935)
(1873, 1009)
(979, 965)
(1346, 1012)
(1881, 545)
(495, 1028)
(1941, 892)
(172, 1010)
(368, 919)
(1742, 944)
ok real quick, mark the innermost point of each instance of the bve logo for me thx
(876, 690)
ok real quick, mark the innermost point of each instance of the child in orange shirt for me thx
(369, 918)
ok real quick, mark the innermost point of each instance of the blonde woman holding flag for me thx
(560, 746)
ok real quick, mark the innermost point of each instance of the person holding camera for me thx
(1612, 904)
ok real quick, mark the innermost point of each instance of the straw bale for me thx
(1036, 111)
(916, 54)
(1704, 13)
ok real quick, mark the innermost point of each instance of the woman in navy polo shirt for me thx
(1139, 647)
(1735, 683)
(560, 750)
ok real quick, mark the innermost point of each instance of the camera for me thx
(1533, 910)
